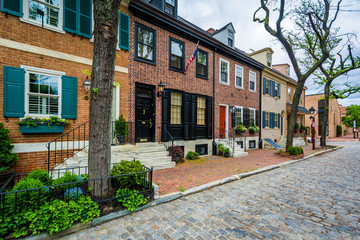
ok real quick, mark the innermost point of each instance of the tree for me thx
(7, 158)
(352, 114)
(320, 24)
(106, 21)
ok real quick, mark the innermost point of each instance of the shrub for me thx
(338, 130)
(129, 181)
(130, 199)
(121, 126)
(85, 176)
(41, 175)
(73, 193)
(192, 155)
(67, 178)
(297, 126)
(176, 151)
(7, 158)
(295, 150)
(220, 148)
(227, 150)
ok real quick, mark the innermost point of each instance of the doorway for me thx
(144, 114)
(222, 122)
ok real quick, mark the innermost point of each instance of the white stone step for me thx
(153, 154)
(148, 145)
(152, 149)
(240, 154)
(155, 160)
(81, 156)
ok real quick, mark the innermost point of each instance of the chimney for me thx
(211, 30)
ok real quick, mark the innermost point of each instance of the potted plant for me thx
(240, 128)
(297, 126)
(254, 129)
(50, 124)
(7, 158)
(176, 153)
(121, 129)
(227, 152)
(220, 149)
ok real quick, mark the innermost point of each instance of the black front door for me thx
(144, 115)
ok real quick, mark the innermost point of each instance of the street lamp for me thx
(313, 126)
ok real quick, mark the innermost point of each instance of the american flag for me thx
(192, 57)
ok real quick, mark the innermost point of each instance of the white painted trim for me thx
(242, 113)
(242, 77)
(254, 81)
(51, 53)
(226, 119)
(41, 147)
(117, 103)
(228, 73)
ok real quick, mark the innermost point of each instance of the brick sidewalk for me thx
(194, 173)
(349, 137)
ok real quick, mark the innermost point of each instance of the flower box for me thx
(42, 129)
(239, 132)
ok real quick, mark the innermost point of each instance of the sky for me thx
(251, 35)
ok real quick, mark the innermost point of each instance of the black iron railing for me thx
(171, 141)
(68, 144)
(13, 202)
(129, 138)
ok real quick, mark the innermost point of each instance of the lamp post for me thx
(313, 126)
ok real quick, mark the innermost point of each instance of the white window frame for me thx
(25, 17)
(227, 83)
(251, 72)
(242, 76)
(242, 113)
(253, 109)
(276, 123)
(28, 70)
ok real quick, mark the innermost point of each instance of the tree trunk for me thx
(293, 113)
(106, 20)
(326, 114)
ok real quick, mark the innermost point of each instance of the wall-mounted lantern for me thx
(161, 88)
(87, 84)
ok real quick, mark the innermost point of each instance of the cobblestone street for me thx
(315, 199)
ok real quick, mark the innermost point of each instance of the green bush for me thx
(130, 199)
(297, 126)
(7, 158)
(121, 126)
(295, 150)
(41, 175)
(67, 178)
(227, 150)
(129, 181)
(338, 130)
(192, 155)
(220, 148)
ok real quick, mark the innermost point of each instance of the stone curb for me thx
(170, 197)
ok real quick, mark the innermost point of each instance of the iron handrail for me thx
(231, 141)
(171, 141)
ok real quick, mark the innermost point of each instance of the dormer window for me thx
(231, 34)
(268, 59)
(288, 71)
(230, 38)
(170, 7)
(230, 42)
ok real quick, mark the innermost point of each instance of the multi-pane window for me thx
(201, 64)
(267, 84)
(43, 94)
(145, 48)
(289, 94)
(276, 88)
(238, 116)
(268, 59)
(239, 73)
(252, 81)
(177, 54)
(176, 104)
(170, 7)
(252, 117)
(267, 119)
(201, 107)
(276, 120)
(230, 42)
(224, 71)
(50, 9)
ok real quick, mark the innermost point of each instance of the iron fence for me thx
(13, 202)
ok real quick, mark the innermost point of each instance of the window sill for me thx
(240, 88)
(40, 25)
(253, 91)
(177, 70)
(145, 61)
(224, 83)
(202, 77)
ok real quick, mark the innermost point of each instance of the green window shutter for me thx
(123, 31)
(13, 7)
(84, 20)
(70, 10)
(69, 97)
(14, 92)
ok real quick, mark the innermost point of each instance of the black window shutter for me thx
(209, 116)
(165, 115)
(257, 116)
(246, 117)
(233, 119)
(13, 7)
(193, 117)
(186, 116)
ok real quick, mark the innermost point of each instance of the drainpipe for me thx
(260, 112)
(213, 112)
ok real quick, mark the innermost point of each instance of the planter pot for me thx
(252, 132)
(226, 154)
(121, 139)
(295, 131)
(42, 129)
(220, 153)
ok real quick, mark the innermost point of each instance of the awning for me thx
(301, 109)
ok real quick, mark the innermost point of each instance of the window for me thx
(252, 144)
(252, 81)
(224, 71)
(288, 71)
(289, 94)
(238, 115)
(267, 84)
(239, 76)
(201, 149)
(202, 64)
(52, 10)
(230, 42)
(201, 107)
(176, 104)
(276, 120)
(268, 59)
(231, 34)
(267, 119)
(177, 55)
(42, 92)
(252, 117)
(170, 7)
(276, 88)
(145, 44)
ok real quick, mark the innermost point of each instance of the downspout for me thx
(213, 110)
(260, 110)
